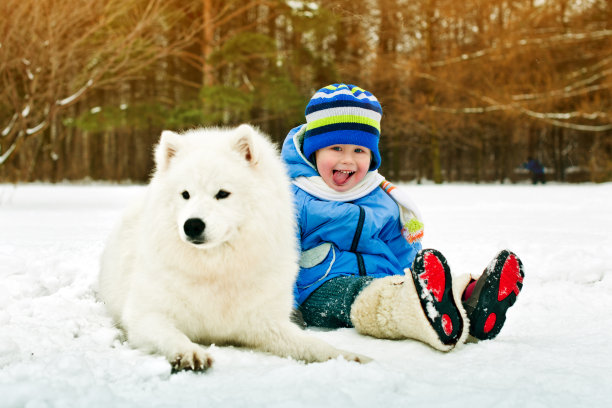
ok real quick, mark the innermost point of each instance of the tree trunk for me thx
(208, 33)
(434, 156)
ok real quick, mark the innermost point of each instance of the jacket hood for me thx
(304, 175)
(292, 153)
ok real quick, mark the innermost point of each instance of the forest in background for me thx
(469, 89)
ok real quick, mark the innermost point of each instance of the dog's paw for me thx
(194, 359)
(346, 355)
(355, 357)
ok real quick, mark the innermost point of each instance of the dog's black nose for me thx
(194, 227)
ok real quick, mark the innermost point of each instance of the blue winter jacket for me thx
(361, 237)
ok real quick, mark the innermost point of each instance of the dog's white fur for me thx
(232, 284)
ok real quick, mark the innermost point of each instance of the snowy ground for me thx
(58, 347)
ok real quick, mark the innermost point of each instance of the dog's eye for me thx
(185, 195)
(221, 194)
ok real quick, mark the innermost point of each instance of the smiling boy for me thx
(362, 263)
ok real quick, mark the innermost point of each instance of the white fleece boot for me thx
(393, 308)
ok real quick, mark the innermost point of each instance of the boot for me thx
(421, 305)
(495, 291)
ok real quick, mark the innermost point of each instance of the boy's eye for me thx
(337, 148)
(358, 150)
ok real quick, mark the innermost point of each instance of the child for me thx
(362, 264)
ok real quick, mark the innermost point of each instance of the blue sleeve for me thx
(295, 296)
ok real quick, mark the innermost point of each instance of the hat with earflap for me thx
(343, 114)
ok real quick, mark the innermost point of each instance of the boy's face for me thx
(342, 166)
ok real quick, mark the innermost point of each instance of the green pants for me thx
(330, 305)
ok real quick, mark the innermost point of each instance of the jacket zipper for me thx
(360, 263)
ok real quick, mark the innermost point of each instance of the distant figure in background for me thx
(536, 169)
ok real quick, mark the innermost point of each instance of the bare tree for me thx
(469, 88)
(54, 52)
(491, 74)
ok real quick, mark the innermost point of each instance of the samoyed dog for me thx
(209, 253)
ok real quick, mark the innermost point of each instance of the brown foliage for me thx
(469, 89)
(54, 53)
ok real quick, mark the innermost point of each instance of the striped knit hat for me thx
(343, 114)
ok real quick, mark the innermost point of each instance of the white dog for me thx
(209, 254)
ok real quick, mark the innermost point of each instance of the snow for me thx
(36, 128)
(7, 153)
(58, 347)
(9, 127)
(74, 96)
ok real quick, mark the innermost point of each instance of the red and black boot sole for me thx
(494, 293)
(433, 282)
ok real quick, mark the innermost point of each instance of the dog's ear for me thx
(245, 144)
(166, 149)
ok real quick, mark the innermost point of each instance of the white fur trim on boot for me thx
(390, 308)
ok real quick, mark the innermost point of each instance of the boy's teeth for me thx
(341, 176)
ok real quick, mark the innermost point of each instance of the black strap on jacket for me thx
(356, 237)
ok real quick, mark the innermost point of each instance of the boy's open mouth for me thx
(340, 177)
